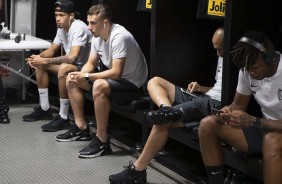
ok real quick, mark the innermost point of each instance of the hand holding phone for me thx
(189, 93)
(216, 111)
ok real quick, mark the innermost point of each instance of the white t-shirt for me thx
(215, 92)
(267, 92)
(121, 44)
(78, 35)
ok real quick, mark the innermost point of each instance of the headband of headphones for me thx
(253, 43)
(270, 56)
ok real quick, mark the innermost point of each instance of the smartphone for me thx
(216, 111)
(189, 93)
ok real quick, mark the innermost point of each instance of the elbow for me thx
(71, 59)
(116, 76)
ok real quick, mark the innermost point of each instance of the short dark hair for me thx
(101, 10)
(245, 55)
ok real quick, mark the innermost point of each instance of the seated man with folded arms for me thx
(260, 76)
(176, 106)
(75, 38)
(126, 72)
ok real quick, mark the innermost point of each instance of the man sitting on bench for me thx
(126, 72)
(260, 75)
(185, 107)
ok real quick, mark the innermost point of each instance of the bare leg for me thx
(42, 78)
(64, 69)
(102, 106)
(157, 139)
(272, 158)
(76, 98)
(211, 131)
(161, 91)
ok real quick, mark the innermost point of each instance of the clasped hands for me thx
(75, 79)
(236, 118)
(35, 61)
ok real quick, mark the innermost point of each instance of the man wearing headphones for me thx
(260, 75)
(74, 36)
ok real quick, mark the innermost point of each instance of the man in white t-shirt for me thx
(176, 107)
(260, 76)
(74, 36)
(123, 71)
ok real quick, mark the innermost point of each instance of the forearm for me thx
(47, 53)
(108, 74)
(271, 125)
(61, 59)
(234, 106)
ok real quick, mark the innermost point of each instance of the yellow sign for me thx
(216, 7)
(149, 4)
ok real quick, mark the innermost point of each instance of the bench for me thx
(136, 110)
(249, 165)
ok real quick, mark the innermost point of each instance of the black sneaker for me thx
(4, 118)
(74, 134)
(39, 114)
(165, 115)
(129, 175)
(56, 124)
(96, 148)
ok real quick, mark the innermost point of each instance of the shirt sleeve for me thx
(58, 40)
(79, 37)
(119, 46)
(243, 86)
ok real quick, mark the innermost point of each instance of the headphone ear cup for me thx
(269, 57)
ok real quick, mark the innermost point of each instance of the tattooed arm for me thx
(61, 59)
(241, 119)
(271, 125)
(46, 57)
(70, 58)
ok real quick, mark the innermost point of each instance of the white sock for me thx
(64, 108)
(44, 98)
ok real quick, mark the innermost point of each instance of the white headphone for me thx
(104, 26)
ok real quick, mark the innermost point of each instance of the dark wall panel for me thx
(183, 49)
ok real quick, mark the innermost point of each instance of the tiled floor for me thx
(30, 156)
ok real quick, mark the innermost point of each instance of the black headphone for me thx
(270, 57)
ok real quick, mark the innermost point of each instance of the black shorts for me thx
(122, 91)
(195, 108)
(79, 67)
(254, 139)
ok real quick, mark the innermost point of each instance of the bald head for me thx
(217, 41)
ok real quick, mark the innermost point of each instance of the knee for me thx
(63, 71)
(272, 146)
(207, 126)
(153, 82)
(100, 88)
